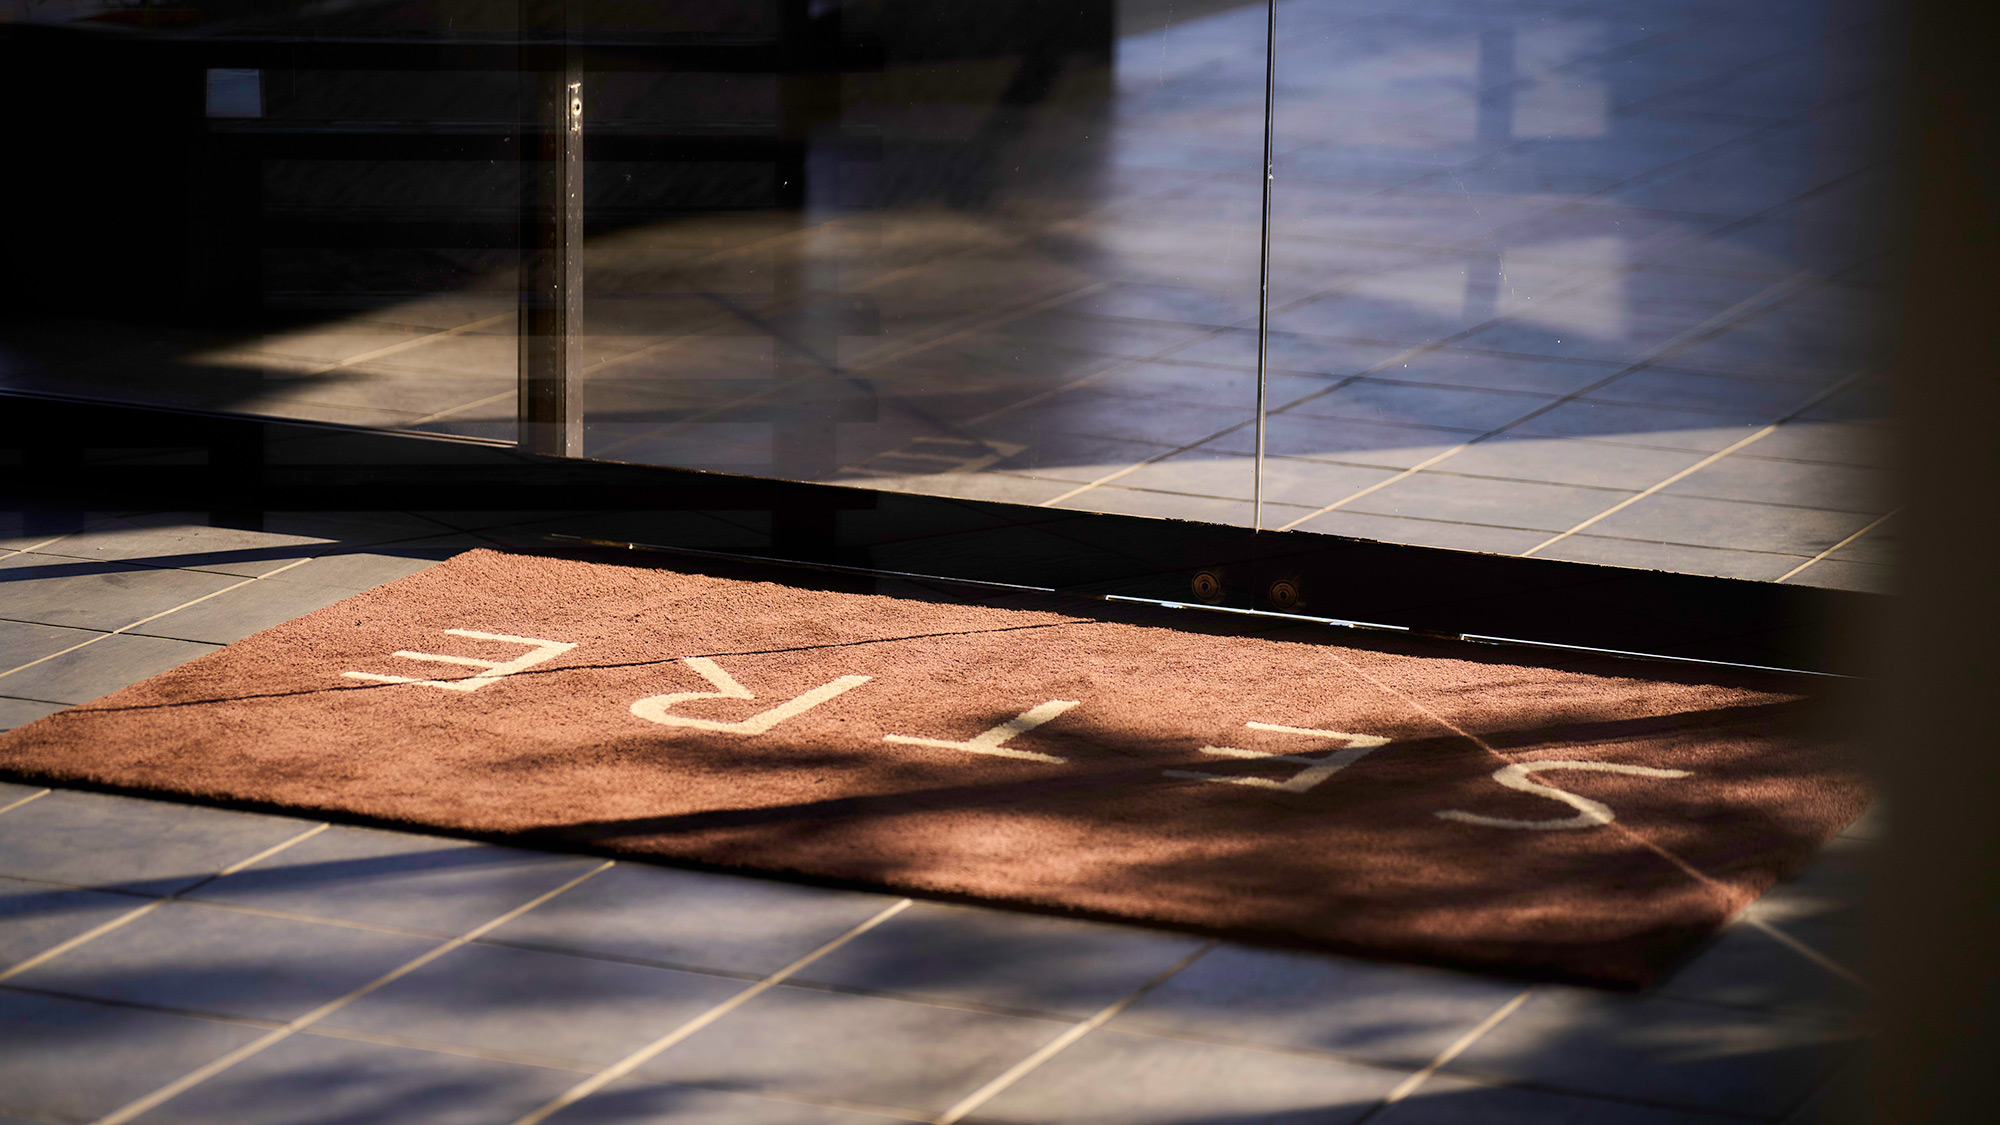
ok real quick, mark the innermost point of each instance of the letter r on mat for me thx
(654, 708)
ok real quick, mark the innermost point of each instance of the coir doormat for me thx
(1404, 798)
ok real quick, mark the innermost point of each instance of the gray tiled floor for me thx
(399, 977)
(1575, 244)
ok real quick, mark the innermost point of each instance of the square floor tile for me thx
(1642, 425)
(1746, 967)
(1418, 316)
(691, 918)
(21, 712)
(1599, 464)
(21, 642)
(1847, 488)
(235, 614)
(1378, 400)
(1620, 338)
(1074, 457)
(35, 916)
(153, 847)
(1001, 958)
(1114, 1078)
(1840, 443)
(314, 1080)
(425, 883)
(102, 667)
(1720, 394)
(644, 1103)
(1881, 545)
(1089, 412)
(1425, 533)
(224, 963)
(1450, 1101)
(1486, 371)
(1505, 503)
(1333, 439)
(1197, 474)
(1320, 355)
(75, 1061)
(1313, 484)
(1758, 566)
(86, 594)
(541, 1005)
(858, 1049)
(1005, 488)
(1160, 505)
(186, 542)
(1208, 385)
(1393, 1014)
(1658, 1050)
(1835, 575)
(677, 527)
(1731, 524)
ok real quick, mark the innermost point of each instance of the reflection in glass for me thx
(298, 210)
(1595, 282)
(1598, 283)
(1005, 250)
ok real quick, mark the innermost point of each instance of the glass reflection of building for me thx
(1592, 284)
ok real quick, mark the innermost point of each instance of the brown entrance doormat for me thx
(1400, 798)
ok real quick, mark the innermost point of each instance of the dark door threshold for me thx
(236, 468)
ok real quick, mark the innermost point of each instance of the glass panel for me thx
(1005, 250)
(1596, 282)
(298, 210)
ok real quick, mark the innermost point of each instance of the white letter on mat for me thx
(1317, 769)
(1589, 813)
(994, 741)
(653, 708)
(542, 650)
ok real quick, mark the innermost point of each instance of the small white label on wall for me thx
(235, 93)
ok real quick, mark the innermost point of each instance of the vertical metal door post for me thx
(1264, 253)
(551, 253)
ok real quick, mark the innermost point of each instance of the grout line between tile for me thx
(1458, 1047)
(209, 1070)
(971, 1102)
(1705, 462)
(39, 546)
(137, 913)
(1762, 300)
(1837, 546)
(356, 1035)
(155, 617)
(406, 345)
(639, 1057)
(439, 415)
(12, 805)
(1807, 952)
(794, 1097)
(868, 362)
(1133, 468)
